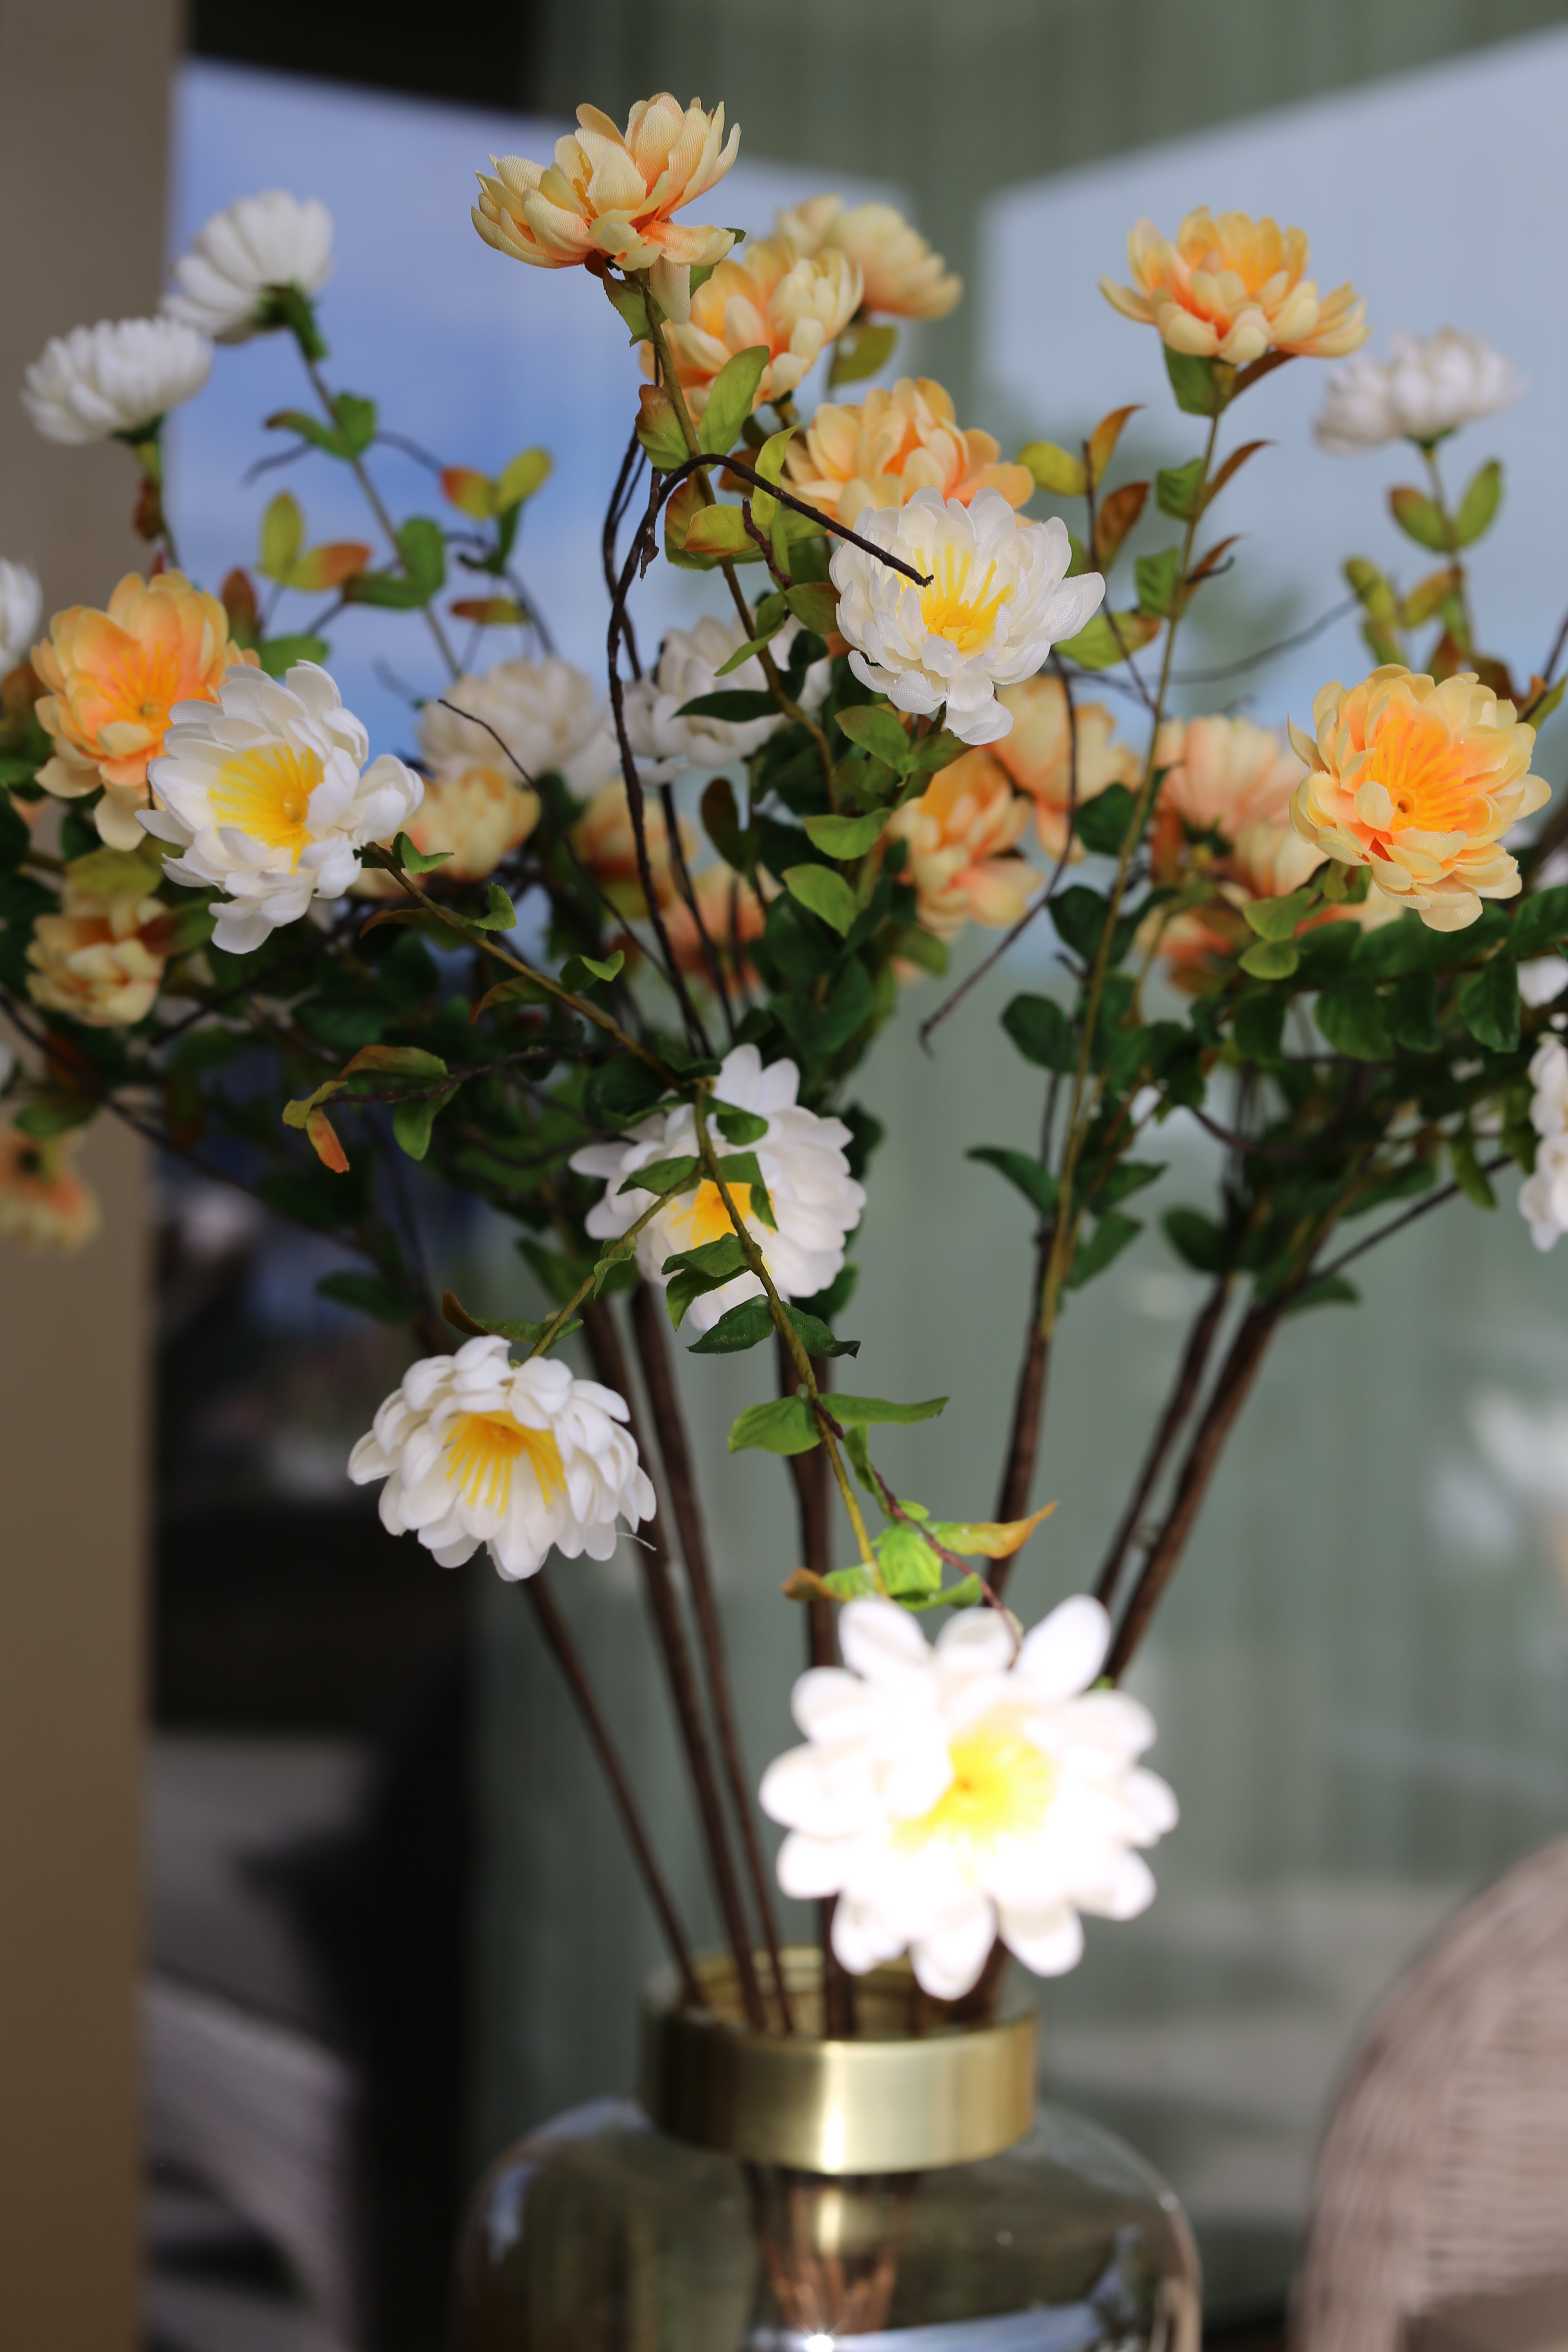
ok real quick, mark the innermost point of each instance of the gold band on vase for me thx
(911, 2092)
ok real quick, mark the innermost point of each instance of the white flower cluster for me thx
(267, 795)
(814, 1200)
(254, 249)
(689, 661)
(478, 1450)
(1543, 1197)
(953, 1793)
(1424, 389)
(118, 377)
(21, 609)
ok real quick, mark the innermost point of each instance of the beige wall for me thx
(83, 127)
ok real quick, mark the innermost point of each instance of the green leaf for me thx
(824, 892)
(815, 605)
(1197, 1241)
(1178, 489)
(277, 656)
(1126, 1177)
(846, 836)
(1488, 1004)
(500, 916)
(874, 726)
(738, 704)
(521, 476)
(1055, 470)
(781, 1425)
(1329, 1290)
(1482, 497)
(1102, 823)
(730, 399)
(412, 1122)
(1101, 646)
(1419, 517)
(1275, 919)
(1260, 1026)
(623, 1090)
(1412, 1013)
(367, 1296)
(860, 352)
(412, 860)
(815, 1335)
(1041, 1031)
(922, 949)
(1195, 382)
(737, 1127)
(1109, 1238)
(357, 419)
(746, 1326)
(1541, 922)
(769, 463)
(282, 535)
(48, 1115)
(1468, 1174)
(1352, 1017)
(1037, 1183)
(522, 1335)
(907, 1561)
(424, 549)
(878, 1409)
(326, 437)
(1270, 959)
(771, 614)
(1539, 712)
(663, 1176)
(690, 1274)
(578, 970)
(1079, 914)
(1158, 579)
(628, 301)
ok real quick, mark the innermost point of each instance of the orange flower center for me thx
(484, 1449)
(956, 606)
(1002, 1786)
(267, 795)
(1428, 776)
(702, 1217)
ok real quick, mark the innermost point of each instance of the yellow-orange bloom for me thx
(476, 815)
(880, 452)
(1418, 783)
(903, 278)
(962, 833)
(610, 196)
(45, 1203)
(732, 916)
(606, 848)
(101, 960)
(112, 680)
(1222, 775)
(1233, 289)
(1039, 756)
(795, 307)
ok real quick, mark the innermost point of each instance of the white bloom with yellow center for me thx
(689, 664)
(952, 1794)
(21, 608)
(1426, 388)
(254, 249)
(999, 598)
(478, 1450)
(119, 376)
(815, 1201)
(268, 794)
(545, 712)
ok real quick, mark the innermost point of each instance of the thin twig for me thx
(1184, 1396)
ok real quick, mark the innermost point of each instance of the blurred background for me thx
(312, 1901)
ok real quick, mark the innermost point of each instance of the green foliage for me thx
(1159, 582)
(730, 399)
(1178, 490)
(1102, 823)
(1478, 508)
(1489, 1005)
(781, 1425)
(860, 352)
(1039, 1187)
(1042, 1033)
(825, 893)
(1198, 384)
(1419, 517)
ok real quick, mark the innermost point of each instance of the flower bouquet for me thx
(610, 964)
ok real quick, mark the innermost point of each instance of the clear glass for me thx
(599, 2234)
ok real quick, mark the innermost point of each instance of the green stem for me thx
(1451, 542)
(558, 1322)
(1080, 1114)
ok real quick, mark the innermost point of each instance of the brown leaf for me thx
(1233, 465)
(323, 1136)
(802, 1585)
(1207, 564)
(997, 1539)
(1102, 441)
(1115, 520)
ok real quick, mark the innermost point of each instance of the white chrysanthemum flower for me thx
(21, 609)
(545, 712)
(999, 598)
(814, 1199)
(268, 794)
(119, 376)
(1542, 979)
(1543, 1196)
(253, 249)
(955, 1793)
(478, 1450)
(1426, 387)
(689, 661)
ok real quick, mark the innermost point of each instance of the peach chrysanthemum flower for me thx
(795, 307)
(1418, 783)
(609, 195)
(904, 278)
(101, 960)
(606, 846)
(880, 452)
(732, 916)
(1039, 754)
(45, 1203)
(476, 815)
(111, 678)
(1222, 819)
(962, 834)
(1233, 289)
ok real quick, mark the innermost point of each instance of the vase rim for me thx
(913, 2089)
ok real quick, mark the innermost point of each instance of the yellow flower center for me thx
(1428, 776)
(702, 1217)
(1002, 1786)
(484, 1448)
(267, 793)
(957, 607)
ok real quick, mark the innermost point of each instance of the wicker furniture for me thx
(1443, 2171)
